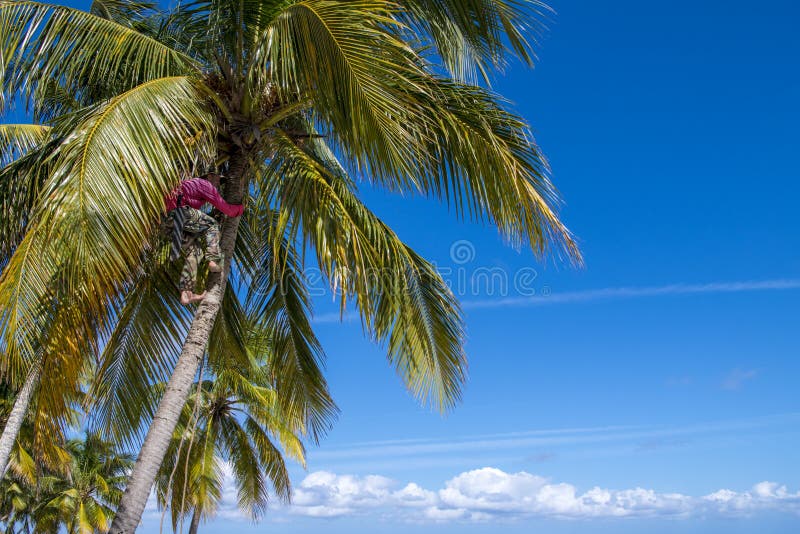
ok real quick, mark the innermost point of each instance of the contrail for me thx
(610, 293)
(630, 435)
(607, 293)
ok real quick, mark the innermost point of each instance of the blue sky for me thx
(668, 364)
(671, 130)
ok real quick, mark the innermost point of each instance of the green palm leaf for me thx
(227, 348)
(140, 351)
(357, 72)
(482, 160)
(473, 36)
(22, 147)
(277, 305)
(247, 471)
(126, 12)
(42, 42)
(109, 180)
(17, 139)
(401, 298)
(103, 195)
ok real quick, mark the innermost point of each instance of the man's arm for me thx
(212, 196)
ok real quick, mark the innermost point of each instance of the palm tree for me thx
(17, 486)
(231, 422)
(79, 497)
(50, 455)
(17, 502)
(85, 499)
(296, 101)
(23, 173)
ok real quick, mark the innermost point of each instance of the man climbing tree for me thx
(253, 86)
(186, 226)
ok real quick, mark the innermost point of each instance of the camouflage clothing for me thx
(197, 227)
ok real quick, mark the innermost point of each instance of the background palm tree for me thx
(24, 154)
(17, 485)
(79, 496)
(30, 453)
(231, 424)
(17, 505)
(85, 499)
(296, 101)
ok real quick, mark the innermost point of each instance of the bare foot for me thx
(214, 267)
(187, 297)
(198, 298)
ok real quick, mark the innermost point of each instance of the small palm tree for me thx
(20, 495)
(297, 102)
(78, 496)
(230, 424)
(32, 441)
(84, 500)
(17, 502)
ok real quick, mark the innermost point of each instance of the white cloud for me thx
(763, 496)
(737, 377)
(447, 514)
(492, 490)
(413, 495)
(324, 494)
(491, 494)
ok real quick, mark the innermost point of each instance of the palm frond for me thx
(22, 464)
(20, 180)
(358, 74)
(42, 42)
(17, 139)
(247, 470)
(401, 298)
(277, 305)
(107, 186)
(141, 351)
(269, 416)
(188, 28)
(52, 102)
(125, 12)
(254, 390)
(409, 130)
(227, 347)
(483, 161)
(100, 203)
(25, 316)
(473, 37)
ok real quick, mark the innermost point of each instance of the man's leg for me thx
(213, 253)
(193, 254)
(199, 223)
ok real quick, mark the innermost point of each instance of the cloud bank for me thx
(492, 494)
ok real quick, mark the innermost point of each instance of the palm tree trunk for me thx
(195, 522)
(17, 416)
(154, 448)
